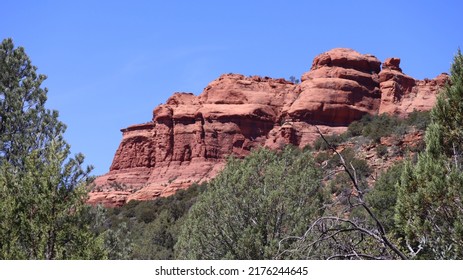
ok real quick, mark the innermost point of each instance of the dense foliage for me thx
(251, 206)
(429, 210)
(383, 196)
(42, 188)
(419, 201)
(147, 229)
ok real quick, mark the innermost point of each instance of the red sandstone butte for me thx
(190, 136)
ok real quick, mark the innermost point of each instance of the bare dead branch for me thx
(353, 178)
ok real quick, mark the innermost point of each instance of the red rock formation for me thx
(190, 136)
(401, 94)
(341, 87)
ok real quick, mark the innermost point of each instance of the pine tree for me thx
(42, 188)
(445, 134)
(429, 210)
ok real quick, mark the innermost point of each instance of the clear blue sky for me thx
(109, 63)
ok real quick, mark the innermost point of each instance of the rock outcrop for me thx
(401, 94)
(190, 136)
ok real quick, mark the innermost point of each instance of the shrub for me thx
(356, 127)
(322, 157)
(154, 225)
(381, 150)
(333, 140)
(418, 119)
(382, 198)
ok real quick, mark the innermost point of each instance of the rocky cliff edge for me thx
(190, 136)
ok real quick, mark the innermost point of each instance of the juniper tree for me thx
(429, 210)
(251, 206)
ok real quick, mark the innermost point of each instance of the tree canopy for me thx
(429, 210)
(251, 206)
(42, 188)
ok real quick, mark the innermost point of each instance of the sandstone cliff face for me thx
(401, 94)
(190, 136)
(341, 86)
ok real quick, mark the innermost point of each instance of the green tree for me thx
(117, 243)
(445, 134)
(382, 198)
(429, 210)
(42, 188)
(251, 206)
(156, 240)
(25, 124)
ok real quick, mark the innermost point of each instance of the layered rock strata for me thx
(190, 136)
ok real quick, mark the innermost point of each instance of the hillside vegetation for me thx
(248, 192)
(324, 202)
(387, 188)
